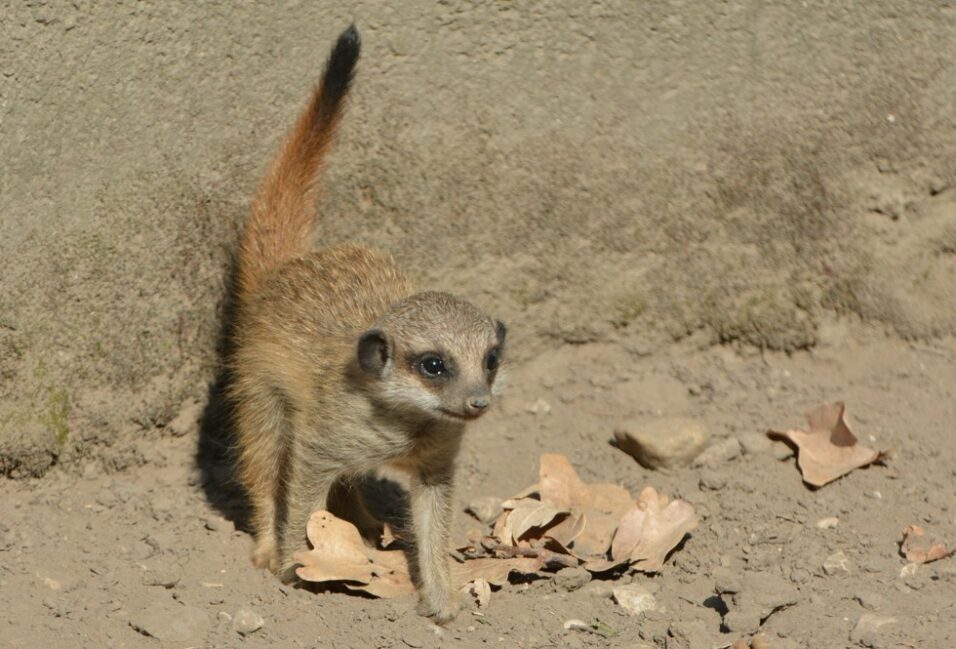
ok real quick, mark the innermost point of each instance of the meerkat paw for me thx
(266, 555)
(441, 609)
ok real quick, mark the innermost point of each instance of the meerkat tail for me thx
(283, 215)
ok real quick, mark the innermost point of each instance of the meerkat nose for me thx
(477, 404)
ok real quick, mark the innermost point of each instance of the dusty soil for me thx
(730, 212)
(103, 558)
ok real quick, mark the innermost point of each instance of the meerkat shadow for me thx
(215, 459)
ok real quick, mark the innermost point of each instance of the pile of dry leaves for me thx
(560, 521)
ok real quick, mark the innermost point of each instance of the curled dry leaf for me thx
(918, 550)
(830, 450)
(339, 556)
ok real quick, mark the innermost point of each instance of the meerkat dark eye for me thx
(492, 360)
(432, 366)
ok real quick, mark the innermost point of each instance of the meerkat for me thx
(340, 368)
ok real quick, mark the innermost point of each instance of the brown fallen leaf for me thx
(340, 556)
(651, 529)
(528, 515)
(338, 553)
(917, 550)
(602, 505)
(830, 450)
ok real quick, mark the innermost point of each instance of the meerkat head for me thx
(436, 355)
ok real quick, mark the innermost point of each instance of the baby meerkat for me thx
(340, 368)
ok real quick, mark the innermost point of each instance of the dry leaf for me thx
(830, 450)
(601, 504)
(916, 550)
(339, 555)
(526, 516)
(651, 529)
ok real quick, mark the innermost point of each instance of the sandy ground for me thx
(142, 558)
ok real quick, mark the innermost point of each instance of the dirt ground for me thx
(101, 559)
(730, 212)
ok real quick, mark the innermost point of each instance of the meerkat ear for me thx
(501, 330)
(374, 352)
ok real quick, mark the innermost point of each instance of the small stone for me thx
(692, 635)
(539, 407)
(187, 421)
(726, 581)
(634, 599)
(172, 622)
(837, 564)
(485, 509)
(571, 579)
(662, 443)
(755, 444)
(828, 523)
(782, 451)
(719, 454)
(214, 523)
(576, 625)
(246, 621)
(166, 577)
(868, 628)
(870, 601)
(598, 588)
(800, 576)
(713, 480)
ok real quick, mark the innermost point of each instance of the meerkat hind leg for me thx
(261, 423)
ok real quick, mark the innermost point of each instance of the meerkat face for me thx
(435, 355)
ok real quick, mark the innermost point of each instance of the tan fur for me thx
(328, 372)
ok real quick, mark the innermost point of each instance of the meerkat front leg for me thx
(308, 491)
(431, 508)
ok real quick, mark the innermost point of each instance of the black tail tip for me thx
(347, 48)
(341, 67)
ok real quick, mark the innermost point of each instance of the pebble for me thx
(167, 577)
(755, 444)
(782, 451)
(599, 588)
(246, 621)
(662, 443)
(719, 454)
(634, 599)
(485, 509)
(692, 635)
(539, 407)
(868, 628)
(837, 564)
(870, 601)
(571, 579)
(172, 622)
(713, 481)
(828, 523)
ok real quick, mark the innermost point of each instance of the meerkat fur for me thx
(340, 368)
